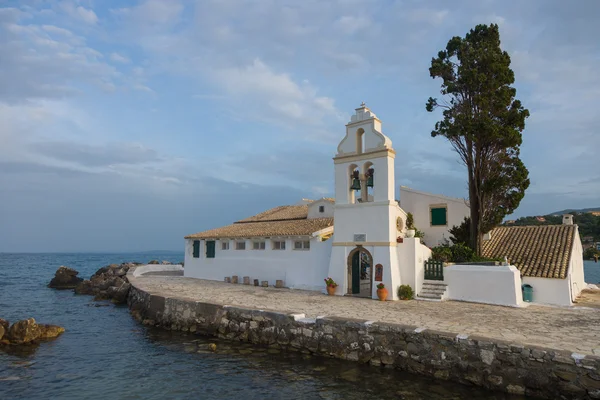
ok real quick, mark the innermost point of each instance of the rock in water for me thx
(23, 331)
(65, 278)
(2, 331)
(50, 331)
(5, 324)
(153, 262)
(84, 287)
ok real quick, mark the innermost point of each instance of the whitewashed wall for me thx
(577, 277)
(299, 269)
(418, 203)
(549, 291)
(411, 258)
(499, 285)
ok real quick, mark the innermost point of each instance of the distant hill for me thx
(581, 210)
(589, 224)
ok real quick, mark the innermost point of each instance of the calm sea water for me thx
(105, 354)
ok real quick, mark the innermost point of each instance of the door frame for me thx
(358, 249)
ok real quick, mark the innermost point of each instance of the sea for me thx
(106, 354)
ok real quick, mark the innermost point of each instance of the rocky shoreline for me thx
(107, 283)
(27, 331)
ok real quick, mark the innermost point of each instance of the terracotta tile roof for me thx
(280, 213)
(298, 227)
(278, 221)
(537, 251)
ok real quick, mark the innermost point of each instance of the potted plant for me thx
(382, 292)
(405, 292)
(331, 285)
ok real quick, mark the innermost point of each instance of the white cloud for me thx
(276, 96)
(116, 57)
(81, 13)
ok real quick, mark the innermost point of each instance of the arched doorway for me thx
(360, 273)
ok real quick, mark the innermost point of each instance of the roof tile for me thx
(537, 251)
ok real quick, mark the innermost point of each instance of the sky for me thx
(125, 125)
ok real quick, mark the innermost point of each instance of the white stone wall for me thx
(299, 269)
(576, 274)
(549, 291)
(411, 258)
(313, 209)
(499, 285)
(419, 203)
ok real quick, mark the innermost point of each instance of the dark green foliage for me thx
(590, 252)
(461, 233)
(588, 223)
(457, 253)
(405, 292)
(462, 253)
(483, 122)
(442, 253)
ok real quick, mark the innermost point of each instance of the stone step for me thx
(430, 296)
(429, 283)
(437, 292)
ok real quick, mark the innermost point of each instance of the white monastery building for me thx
(370, 243)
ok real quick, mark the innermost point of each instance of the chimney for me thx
(567, 219)
(487, 236)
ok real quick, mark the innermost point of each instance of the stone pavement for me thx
(575, 329)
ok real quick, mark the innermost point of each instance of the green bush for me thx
(442, 253)
(405, 292)
(462, 253)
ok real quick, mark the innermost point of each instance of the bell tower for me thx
(365, 209)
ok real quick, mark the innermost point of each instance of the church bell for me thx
(370, 177)
(355, 181)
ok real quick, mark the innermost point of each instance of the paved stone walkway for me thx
(575, 329)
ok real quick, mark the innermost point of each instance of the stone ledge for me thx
(490, 363)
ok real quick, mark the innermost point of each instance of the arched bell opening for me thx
(354, 184)
(360, 273)
(369, 186)
(360, 141)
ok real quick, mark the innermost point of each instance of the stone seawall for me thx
(496, 365)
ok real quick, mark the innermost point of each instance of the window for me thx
(321, 209)
(279, 245)
(210, 249)
(258, 245)
(301, 245)
(196, 249)
(225, 245)
(439, 216)
(240, 245)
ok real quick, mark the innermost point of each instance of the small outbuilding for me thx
(549, 258)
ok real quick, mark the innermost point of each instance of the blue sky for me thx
(127, 124)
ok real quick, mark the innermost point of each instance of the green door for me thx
(356, 273)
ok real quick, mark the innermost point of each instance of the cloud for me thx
(116, 57)
(41, 61)
(95, 156)
(276, 96)
(83, 14)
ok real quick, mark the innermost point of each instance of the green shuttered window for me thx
(196, 248)
(210, 249)
(438, 216)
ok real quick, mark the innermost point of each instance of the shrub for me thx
(405, 292)
(441, 253)
(462, 253)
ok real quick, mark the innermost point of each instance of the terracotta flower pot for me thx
(331, 290)
(382, 294)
